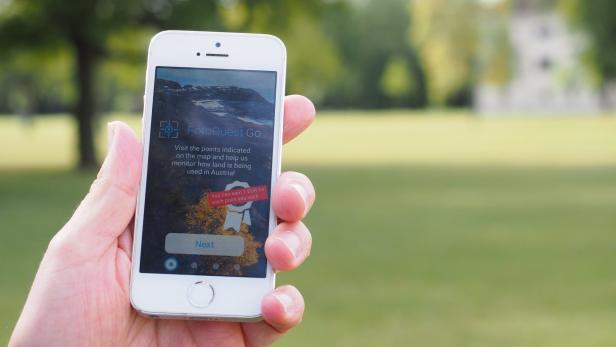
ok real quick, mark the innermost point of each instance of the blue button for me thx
(204, 244)
(171, 264)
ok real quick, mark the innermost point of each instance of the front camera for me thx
(218, 44)
(198, 54)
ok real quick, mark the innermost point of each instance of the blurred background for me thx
(464, 155)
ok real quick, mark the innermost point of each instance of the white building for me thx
(547, 73)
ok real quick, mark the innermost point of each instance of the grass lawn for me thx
(428, 231)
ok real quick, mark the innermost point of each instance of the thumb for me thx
(109, 206)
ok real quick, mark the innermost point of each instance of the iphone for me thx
(212, 132)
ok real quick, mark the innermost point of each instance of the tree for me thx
(369, 35)
(444, 32)
(598, 19)
(85, 27)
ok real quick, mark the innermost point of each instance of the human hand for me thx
(80, 296)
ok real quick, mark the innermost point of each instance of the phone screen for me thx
(207, 198)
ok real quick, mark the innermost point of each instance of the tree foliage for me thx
(395, 81)
(444, 33)
(96, 31)
(369, 34)
(598, 19)
(89, 55)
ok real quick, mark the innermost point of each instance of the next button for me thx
(178, 243)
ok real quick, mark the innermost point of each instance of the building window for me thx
(545, 64)
(544, 31)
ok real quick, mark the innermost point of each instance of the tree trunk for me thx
(85, 57)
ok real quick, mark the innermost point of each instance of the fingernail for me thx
(285, 300)
(111, 131)
(291, 241)
(302, 193)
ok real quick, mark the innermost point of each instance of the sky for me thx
(263, 82)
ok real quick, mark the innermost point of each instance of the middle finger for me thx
(288, 246)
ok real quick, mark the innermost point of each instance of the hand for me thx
(80, 296)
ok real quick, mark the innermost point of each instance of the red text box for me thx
(237, 196)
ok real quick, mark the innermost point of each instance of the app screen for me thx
(207, 199)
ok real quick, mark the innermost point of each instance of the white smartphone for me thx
(212, 138)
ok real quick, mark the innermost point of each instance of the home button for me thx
(200, 294)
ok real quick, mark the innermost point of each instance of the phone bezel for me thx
(236, 298)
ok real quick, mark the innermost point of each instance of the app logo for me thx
(171, 264)
(169, 129)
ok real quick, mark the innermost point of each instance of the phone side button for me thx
(200, 294)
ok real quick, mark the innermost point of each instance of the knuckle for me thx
(60, 245)
(104, 184)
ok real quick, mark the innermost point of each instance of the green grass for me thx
(508, 241)
(365, 138)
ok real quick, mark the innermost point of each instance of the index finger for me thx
(299, 113)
